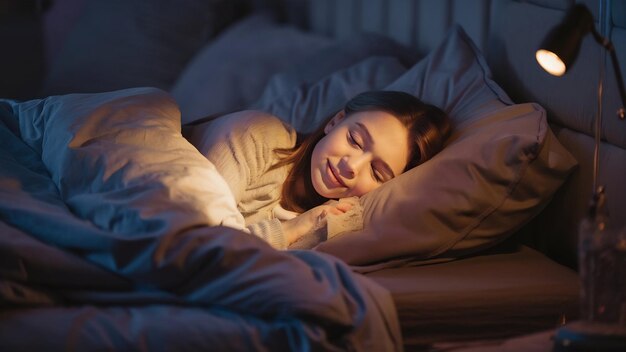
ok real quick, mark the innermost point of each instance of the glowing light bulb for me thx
(550, 62)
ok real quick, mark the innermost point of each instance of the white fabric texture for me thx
(241, 146)
(104, 150)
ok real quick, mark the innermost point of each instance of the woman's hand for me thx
(313, 219)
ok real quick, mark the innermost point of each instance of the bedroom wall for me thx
(420, 24)
(21, 35)
(32, 32)
(57, 23)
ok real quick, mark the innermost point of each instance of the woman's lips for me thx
(334, 178)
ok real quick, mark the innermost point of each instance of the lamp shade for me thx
(560, 47)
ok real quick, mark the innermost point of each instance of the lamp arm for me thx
(620, 83)
(608, 45)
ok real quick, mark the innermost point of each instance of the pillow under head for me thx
(499, 168)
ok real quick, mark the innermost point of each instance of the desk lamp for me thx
(603, 306)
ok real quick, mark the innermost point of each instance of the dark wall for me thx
(31, 34)
(21, 57)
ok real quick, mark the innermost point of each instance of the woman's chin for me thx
(331, 193)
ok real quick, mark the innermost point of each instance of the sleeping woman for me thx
(285, 183)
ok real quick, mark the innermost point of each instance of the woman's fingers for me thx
(343, 206)
(339, 208)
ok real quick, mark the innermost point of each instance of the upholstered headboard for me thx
(508, 32)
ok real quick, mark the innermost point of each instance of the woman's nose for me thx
(354, 163)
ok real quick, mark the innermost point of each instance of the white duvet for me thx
(103, 149)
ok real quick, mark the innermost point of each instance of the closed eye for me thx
(353, 140)
(376, 175)
(381, 171)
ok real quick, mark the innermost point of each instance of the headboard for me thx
(508, 32)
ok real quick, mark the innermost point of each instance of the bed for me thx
(112, 237)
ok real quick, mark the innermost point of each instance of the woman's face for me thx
(358, 154)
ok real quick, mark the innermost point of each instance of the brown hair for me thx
(428, 128)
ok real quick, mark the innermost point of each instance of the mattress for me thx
(508, 291)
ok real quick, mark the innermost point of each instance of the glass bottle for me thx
(602, 266)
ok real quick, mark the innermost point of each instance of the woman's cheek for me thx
(363, 187)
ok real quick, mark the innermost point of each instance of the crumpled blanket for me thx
(115, 233)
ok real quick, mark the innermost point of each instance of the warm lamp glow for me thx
(550, 62)
(559, 49)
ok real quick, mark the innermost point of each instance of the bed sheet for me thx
(111, 235)
(506, 291)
